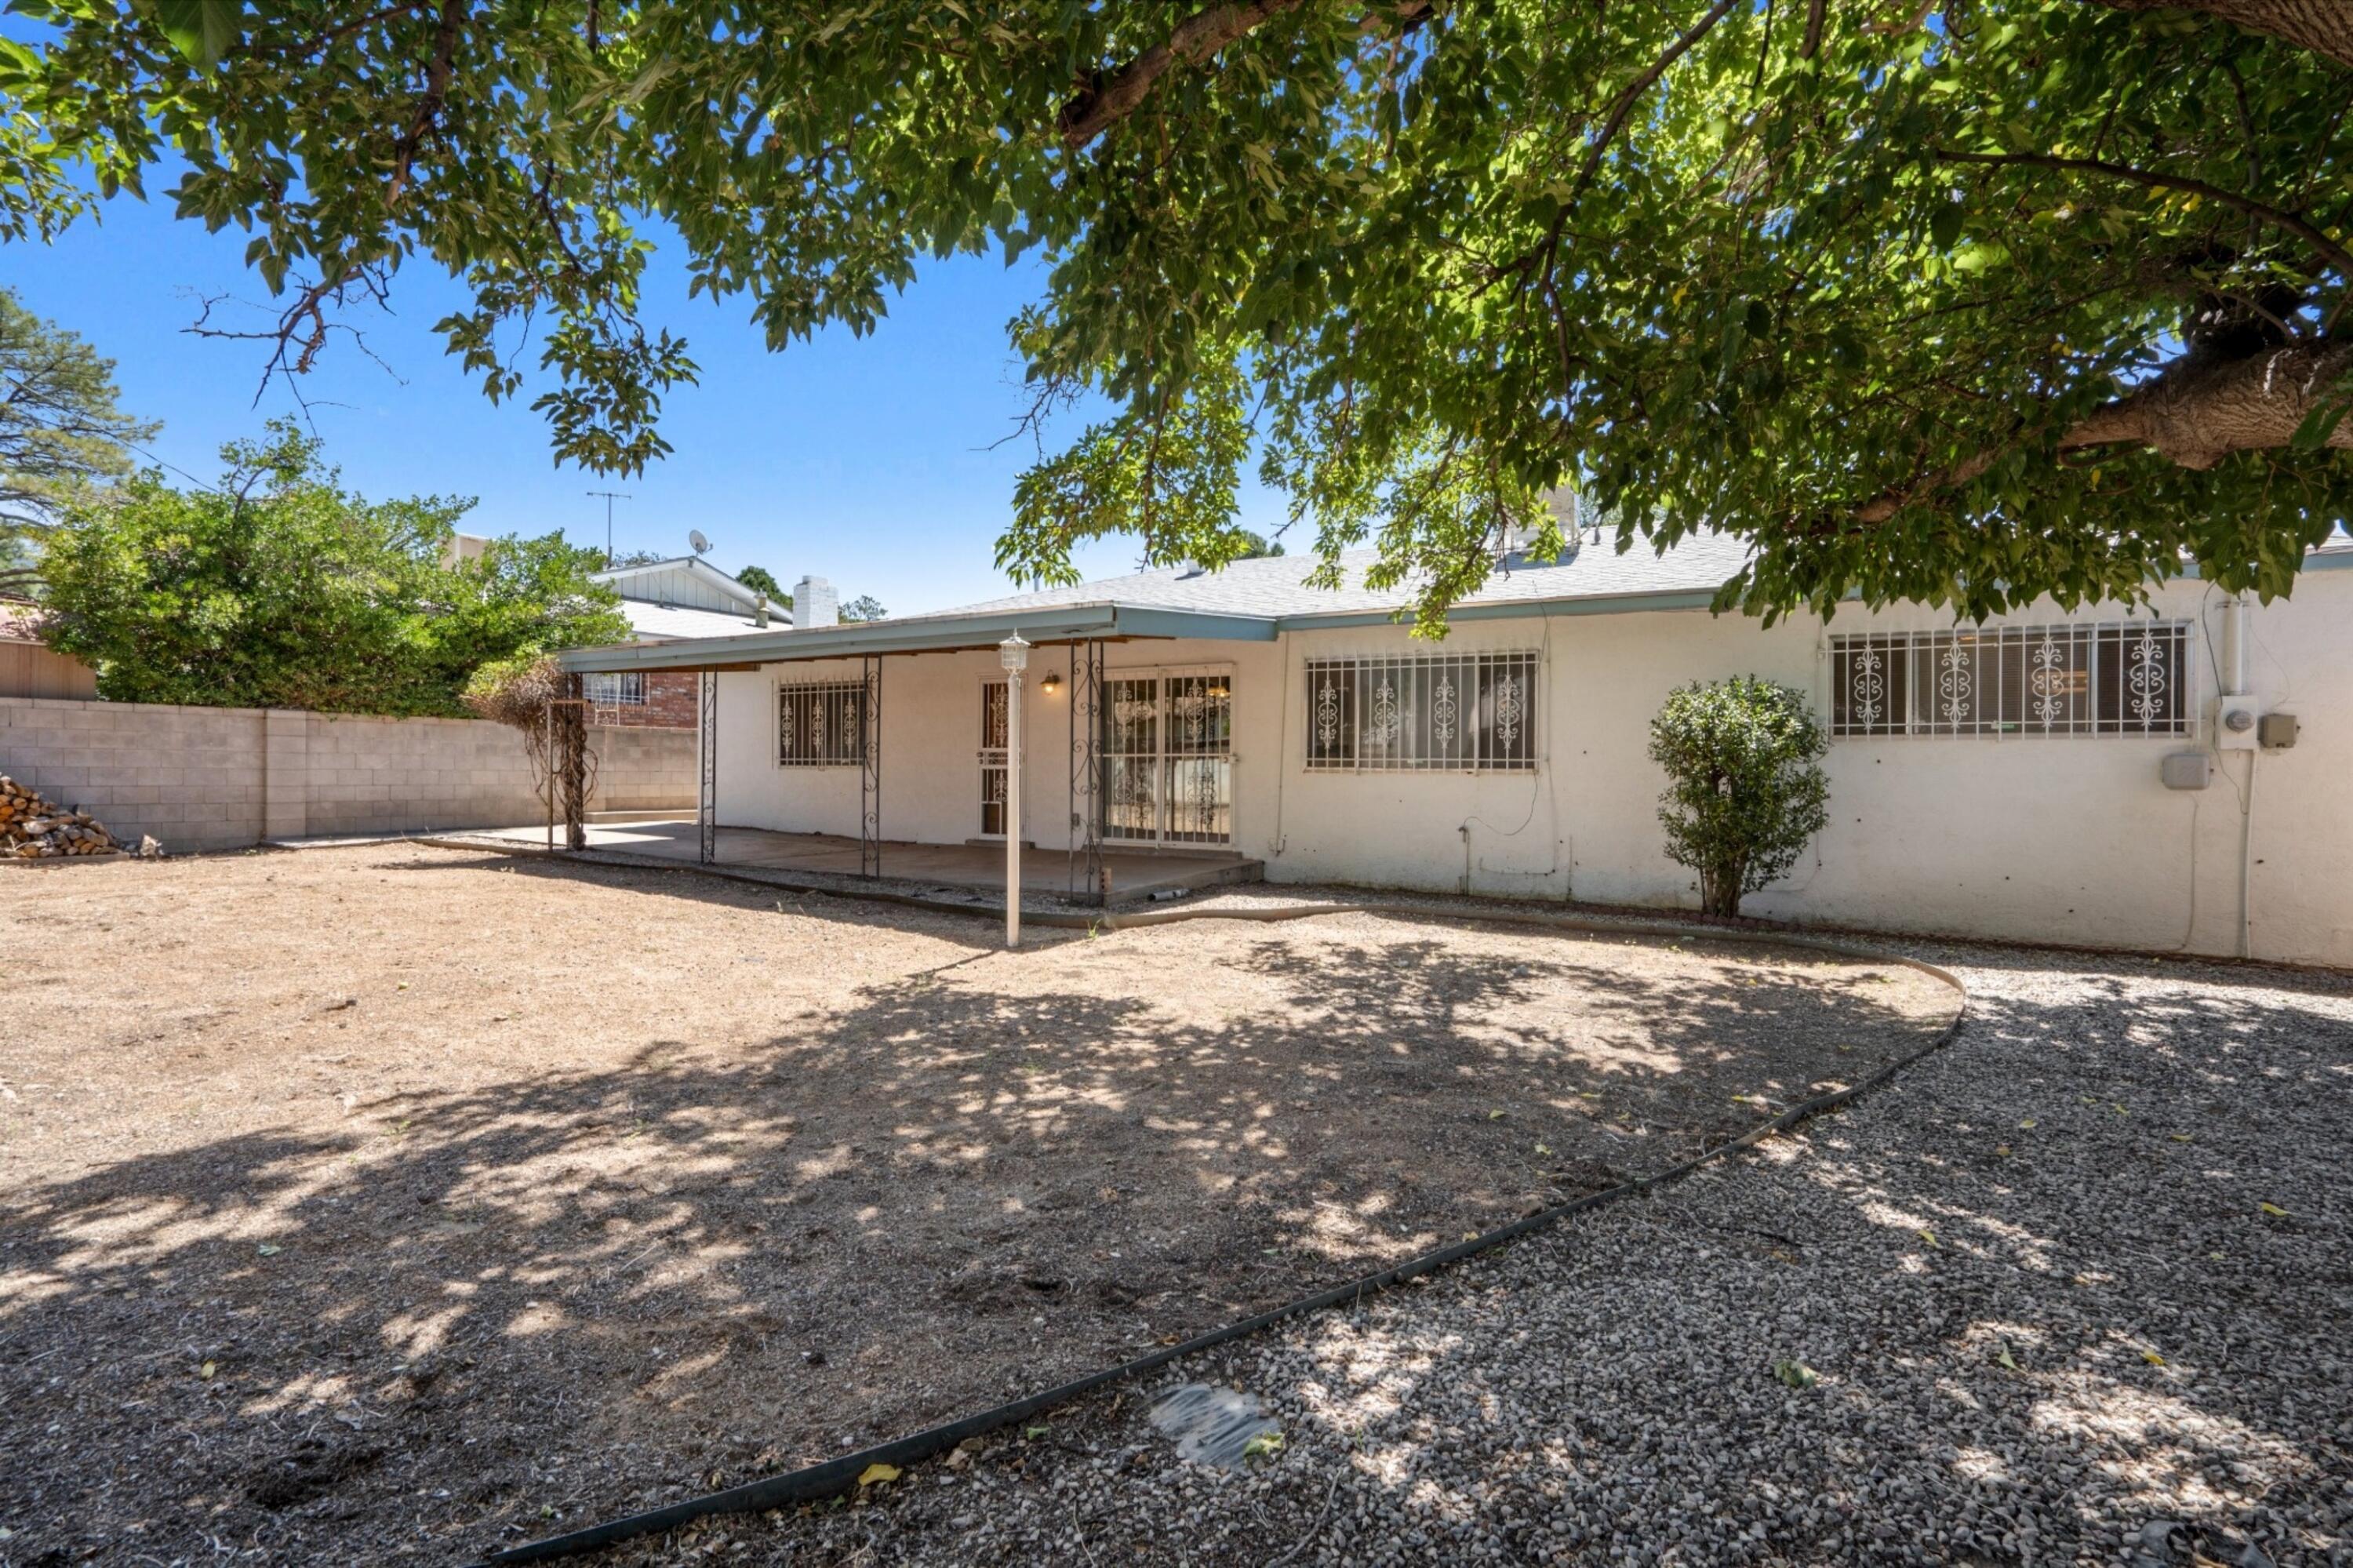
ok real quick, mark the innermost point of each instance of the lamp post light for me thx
(1014, 655)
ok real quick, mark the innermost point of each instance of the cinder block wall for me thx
(203, 778)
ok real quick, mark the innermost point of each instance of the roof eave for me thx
(941, 634)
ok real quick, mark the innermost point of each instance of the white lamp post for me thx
(1014, 655)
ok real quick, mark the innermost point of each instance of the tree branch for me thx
(2191, 413)
(1814, 44)
(2198, 414)
(1105, 102)
(2333, 253)
(1623, 105)
(436, 92)
(2324, 26)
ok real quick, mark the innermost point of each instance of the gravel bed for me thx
(2075, 1290)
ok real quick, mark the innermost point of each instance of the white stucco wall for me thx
(2062, 839)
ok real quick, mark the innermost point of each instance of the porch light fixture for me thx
(1051, 684)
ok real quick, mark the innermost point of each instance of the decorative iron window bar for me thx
(2106, 678)
(1460, 711)
(821, 725)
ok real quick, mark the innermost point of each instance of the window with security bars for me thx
(625, 690)
(2113, 678)
(1461, 712)
(821, 726)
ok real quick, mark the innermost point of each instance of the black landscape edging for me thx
(834, 1476)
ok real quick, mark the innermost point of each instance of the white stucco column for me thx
(1014, 655)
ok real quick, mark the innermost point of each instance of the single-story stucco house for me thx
(2168, 778)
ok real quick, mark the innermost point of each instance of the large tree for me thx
(60, 429)
(1962, 304)
(278, 588)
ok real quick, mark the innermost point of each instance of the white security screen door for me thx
(992, 759)
(1167, 757)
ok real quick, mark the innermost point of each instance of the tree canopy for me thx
(279, 589)
(1964, 302)
(762, 580)
(59, 428)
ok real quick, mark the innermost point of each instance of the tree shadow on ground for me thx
(445, 1316)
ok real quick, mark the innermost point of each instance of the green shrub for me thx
(280, 590)
(1743, 790)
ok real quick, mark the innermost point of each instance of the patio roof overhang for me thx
(921, 634)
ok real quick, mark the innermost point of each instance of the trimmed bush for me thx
(1743, 792)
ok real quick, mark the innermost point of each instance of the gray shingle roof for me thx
(1273, 587)
(668, 622)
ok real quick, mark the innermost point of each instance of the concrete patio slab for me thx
(1135, 874)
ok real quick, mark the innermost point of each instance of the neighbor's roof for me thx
(1275, 586)
(693, 565)
(670, 622)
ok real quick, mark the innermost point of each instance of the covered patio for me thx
(845, 718)
(1132, 874)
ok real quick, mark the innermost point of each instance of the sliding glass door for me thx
(1167, 757)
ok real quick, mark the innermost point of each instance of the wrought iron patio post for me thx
(706, 803)
(870, 769)
(1085, 880)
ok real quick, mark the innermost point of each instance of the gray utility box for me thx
(2275, 732)
(2186, 770)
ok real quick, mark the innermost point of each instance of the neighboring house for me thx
(679, 601)
(31, 667)
(2018, 779)
(684, 599)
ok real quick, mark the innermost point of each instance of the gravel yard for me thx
(2075, 1290)
(388, 1200)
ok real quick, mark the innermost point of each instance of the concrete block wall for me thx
(191, 776)
(208, 778)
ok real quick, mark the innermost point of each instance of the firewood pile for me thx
(33, 829)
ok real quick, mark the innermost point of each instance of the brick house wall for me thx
(671, 699)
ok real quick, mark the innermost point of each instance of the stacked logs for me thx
(33, 829)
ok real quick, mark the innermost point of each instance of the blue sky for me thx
(864, 461)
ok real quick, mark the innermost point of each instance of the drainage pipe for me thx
(835, 1476)
(2234, 684)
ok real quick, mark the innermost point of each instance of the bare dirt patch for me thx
(390, 1199)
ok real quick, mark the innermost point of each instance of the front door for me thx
(992, 759)
(1168, 758)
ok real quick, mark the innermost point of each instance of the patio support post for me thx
(1086, 771)
(870, 768)
(1014, 655)
(706, 760)
(572, 736)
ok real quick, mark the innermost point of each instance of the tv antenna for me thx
(610, 497)
(694, 538)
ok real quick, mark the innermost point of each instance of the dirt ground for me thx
(390, 1201)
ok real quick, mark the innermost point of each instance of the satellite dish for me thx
(694, 538)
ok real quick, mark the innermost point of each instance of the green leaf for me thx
(1945, 225)
(202, 30)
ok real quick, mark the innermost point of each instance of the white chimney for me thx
(815, 604)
